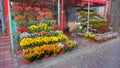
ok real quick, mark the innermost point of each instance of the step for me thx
(4, 37)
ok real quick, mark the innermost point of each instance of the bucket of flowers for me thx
(26, 42)
(33, 28)
(86, 35)
(64, 47)
(92, 37)
(56, 49)
(71, 44)
(38, 51)
(48, 50)
(28, 55)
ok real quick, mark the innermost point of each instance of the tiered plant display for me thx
(39, 37)
(98, 38)
(98, 27)
(96, 23)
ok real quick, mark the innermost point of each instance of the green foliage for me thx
(22, 23)
(49, 22)
(47, 52)
(32, 22)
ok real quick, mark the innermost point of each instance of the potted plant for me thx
(28, 55)
(56, 49)
(71, 44)
(39, 52)
(48, 50)
(63, 50)
(47, 54)
(22, 29)
(86, 35)
(92, 37)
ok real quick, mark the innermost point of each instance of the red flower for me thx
(28, 8)
(41, 13)
(17, 3)
(37, 9)
(22, 29)
(18, 8)
(55, 26)
(25, 4)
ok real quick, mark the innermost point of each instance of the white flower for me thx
(24, 34)
(61, 45)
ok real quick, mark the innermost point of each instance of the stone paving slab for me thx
(6, 60)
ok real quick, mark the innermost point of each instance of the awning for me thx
(95, 1)
(92, 2)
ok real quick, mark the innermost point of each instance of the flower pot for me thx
(46, 56)
(110, 38)
(92, 41)
(62, 52)
(55, 54)
(87, 38)
(103, 41)
(97, 41)
(28, 61)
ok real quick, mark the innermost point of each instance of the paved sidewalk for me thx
(87, 55)
(6, 60)
(104, 55)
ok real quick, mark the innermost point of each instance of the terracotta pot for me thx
(62, 52)
(46, 56)
(102, 41)
(55, 54)
(97, 41)
(107, 39)
(92, 41)
(110, 38)
(86, 38)
(28, 61)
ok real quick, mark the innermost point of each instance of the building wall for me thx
(115, 15)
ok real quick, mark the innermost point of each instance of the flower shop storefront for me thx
(38, 32)
(87, 23)
(40, 27)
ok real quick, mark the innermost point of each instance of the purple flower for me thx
(33, 34)
(81, 34)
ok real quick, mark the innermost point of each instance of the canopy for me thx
(95, 1)
(92, 2)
